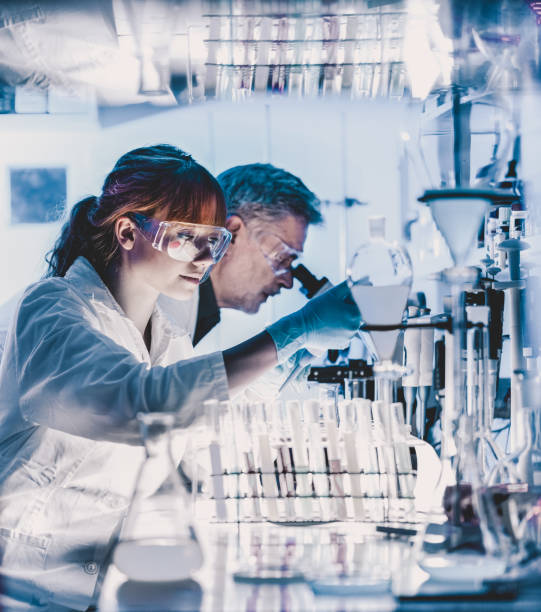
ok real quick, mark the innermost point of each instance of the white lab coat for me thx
(74, 374)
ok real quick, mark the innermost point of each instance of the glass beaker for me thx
(157, 542)
(462, 540)
(515, 492)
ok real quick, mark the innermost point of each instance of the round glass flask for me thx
(157, 541)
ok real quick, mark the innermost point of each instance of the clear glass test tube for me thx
(282, 442)
(334, 456)
(266, 463)
(316, 450)
(381, 414)
(212, 412)
(369, 458)
(300, 458)
(349, 424)
(253, 508)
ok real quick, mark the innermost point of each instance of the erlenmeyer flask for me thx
(157, 542)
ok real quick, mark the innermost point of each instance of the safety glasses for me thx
(279, 255)
(185, 242)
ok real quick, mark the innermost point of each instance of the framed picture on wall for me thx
(38, 195)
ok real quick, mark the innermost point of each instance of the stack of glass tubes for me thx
(311, 462)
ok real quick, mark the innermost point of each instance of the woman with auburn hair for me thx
(89, 348)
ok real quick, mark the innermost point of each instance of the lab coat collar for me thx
(88, 283)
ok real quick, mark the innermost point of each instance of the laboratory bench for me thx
(236, 556)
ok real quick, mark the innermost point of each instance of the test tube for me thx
(249, 465)
(287, 485)
(212, 410)
(380, 412)
(335, 463)
(231, 463)
(406, 478)
(318, 467)
(285, 468)
(348, 423)
(268, 477)
(300, 457)
(369, 459)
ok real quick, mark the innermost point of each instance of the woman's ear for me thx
(125, 233)
(235, 225)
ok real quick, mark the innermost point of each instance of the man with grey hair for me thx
(268, 213)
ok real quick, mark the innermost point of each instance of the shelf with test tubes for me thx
(312, 462)
(306, 54)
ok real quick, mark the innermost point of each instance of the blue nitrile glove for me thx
(328, 320)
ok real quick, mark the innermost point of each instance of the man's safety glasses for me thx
(279, 255)
(182, 241)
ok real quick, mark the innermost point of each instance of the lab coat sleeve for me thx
(76, 379)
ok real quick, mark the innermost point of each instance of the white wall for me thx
(39, 141)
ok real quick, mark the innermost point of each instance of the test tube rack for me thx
(316, 463)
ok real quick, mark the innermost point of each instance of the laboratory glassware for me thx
(512, 248)
(379, 277)
(265, 459)
(158, 542)
(462, 538)
(480, 405)
(419, 363)
(514, 488)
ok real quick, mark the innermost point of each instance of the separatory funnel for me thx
(379, 277)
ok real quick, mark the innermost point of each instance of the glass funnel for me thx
(379, 277)
(157, 541)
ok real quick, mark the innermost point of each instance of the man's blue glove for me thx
(327, 321)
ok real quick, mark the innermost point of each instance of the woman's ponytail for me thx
(76, 238)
